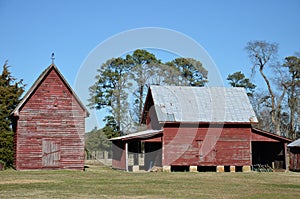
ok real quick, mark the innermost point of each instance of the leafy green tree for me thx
(238, 79)
(96, 140)
(191, 72)
(109, 91)
(10, 93)
(122, 84)
(111, 128)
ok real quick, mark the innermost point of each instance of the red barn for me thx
(49, 125)
(199, 129)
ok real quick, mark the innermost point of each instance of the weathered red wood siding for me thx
(294, 159)
(50, 128)
(118, 159)
(207, 145)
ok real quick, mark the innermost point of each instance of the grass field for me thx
(103, 182)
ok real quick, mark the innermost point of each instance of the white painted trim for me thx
(126, 156)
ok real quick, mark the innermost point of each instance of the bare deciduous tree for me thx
(262, 54)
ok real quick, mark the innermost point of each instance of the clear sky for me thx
(31, 30)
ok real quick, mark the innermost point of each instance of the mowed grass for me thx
(103, 182)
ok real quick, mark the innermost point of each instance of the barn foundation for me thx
(220, 169)
(246, 168)
(193, 169)
(166, 168)
(232, 168)
(135, 168)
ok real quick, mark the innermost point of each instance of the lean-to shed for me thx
(294, 149)
(49, 125)
(199, 128)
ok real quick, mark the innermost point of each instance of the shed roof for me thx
(36, 84)
(141, 135)
(202, 104)
(270, 135)
(296, 143)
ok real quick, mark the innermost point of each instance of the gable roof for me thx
(36, 84)
(202, 104)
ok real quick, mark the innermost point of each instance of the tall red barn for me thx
(199, 128)
(49, 125)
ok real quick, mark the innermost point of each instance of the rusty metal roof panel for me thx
(202, 104)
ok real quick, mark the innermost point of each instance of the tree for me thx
(109, 91)
(135, 73)
(10, 93)
(191, 72)
(238, 79)
(261, 55)
(96, 140)
(292, 63)
(143, 64)
(111, 128)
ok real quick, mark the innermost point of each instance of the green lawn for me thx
(103, 182)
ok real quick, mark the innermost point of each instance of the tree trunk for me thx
(273, 109)
(141, 95)
(119, 109)
(292, 104)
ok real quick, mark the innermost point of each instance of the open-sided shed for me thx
(49, 125)
(200, 128)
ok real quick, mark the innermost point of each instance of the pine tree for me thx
(109, 91)
(10, 93)
(238, 79)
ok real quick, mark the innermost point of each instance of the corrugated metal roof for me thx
(140, 134)
(202, 104)
(296, 143)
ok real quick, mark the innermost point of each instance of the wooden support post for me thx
(287, 157)
(126, 156)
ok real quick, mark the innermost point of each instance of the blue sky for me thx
(31, 30)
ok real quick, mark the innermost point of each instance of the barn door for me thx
(51, 152)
